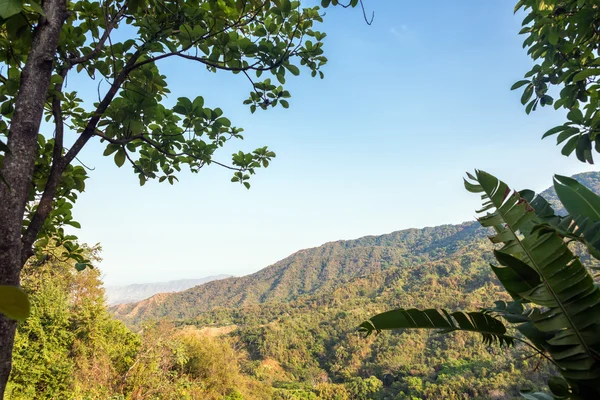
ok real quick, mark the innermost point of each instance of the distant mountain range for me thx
(136, 292)
(330, 266)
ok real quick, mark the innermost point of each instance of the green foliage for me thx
(561, 39)
(556, 304)
(71, 348)
(538, 268)
(120, 42)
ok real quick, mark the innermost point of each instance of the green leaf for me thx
(80, 266)
(558, 386)
(515, 275)
(553, 36)
(286, 6)
(8, 8)
(111, 148)
(37, 8)
(489, 327)
(120, 157)
(554, 130)
(527, 93)
(586, 73)
(14, 303)
(569, 147)
(575, 115)
(518, 84)
(577, 199)
(224, 121)
(293, 69)
(536, 395)
(74, 224)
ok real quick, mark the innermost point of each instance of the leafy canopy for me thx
(119, 45)
(561, 37)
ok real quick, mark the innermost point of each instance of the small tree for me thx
(120, 44)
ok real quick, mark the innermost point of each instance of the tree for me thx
(121, 43)
(555, 307)
(562, 38)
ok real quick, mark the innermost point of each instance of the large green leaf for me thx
(569, 300)
(8, 8)
(576, 227)
(489, 327)
(13, 302)
(577, 199)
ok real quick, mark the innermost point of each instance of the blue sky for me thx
(407, 105)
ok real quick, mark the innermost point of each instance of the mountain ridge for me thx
(327, 267)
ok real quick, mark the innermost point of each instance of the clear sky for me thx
(407, 105)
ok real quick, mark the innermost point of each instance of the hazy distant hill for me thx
(331, 266)
(137, 292)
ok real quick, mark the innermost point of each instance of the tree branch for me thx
(90, 128)
(100, 45)
(44, 206)
(60, 163)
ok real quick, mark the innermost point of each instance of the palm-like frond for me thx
(538, 267)
(583, 222)
(491, 329)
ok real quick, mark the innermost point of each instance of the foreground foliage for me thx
(555, 305)
(71, 348)
(118, 46)
(305, 348)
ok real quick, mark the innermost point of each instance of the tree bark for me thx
(18, 164)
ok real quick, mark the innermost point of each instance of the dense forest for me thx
(285, 332)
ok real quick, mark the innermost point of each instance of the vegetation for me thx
(71, 348)
(306, 348)
(562, 40)
(122, 41)
(310, 271)
(286, 332)
(305, 344)
(555, 305)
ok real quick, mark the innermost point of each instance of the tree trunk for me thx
(18, 164)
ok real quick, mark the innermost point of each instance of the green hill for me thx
(324, 268)
(296, 320)
(311, 271)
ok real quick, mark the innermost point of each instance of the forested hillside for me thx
(296, 320)
(312, 271)
(326, 267)
(285, 332)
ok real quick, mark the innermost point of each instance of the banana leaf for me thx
(539, 268)
(491, 329)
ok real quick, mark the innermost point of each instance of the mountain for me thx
(311, 271)
(327, 267)
(140, 291)
(295, 321)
